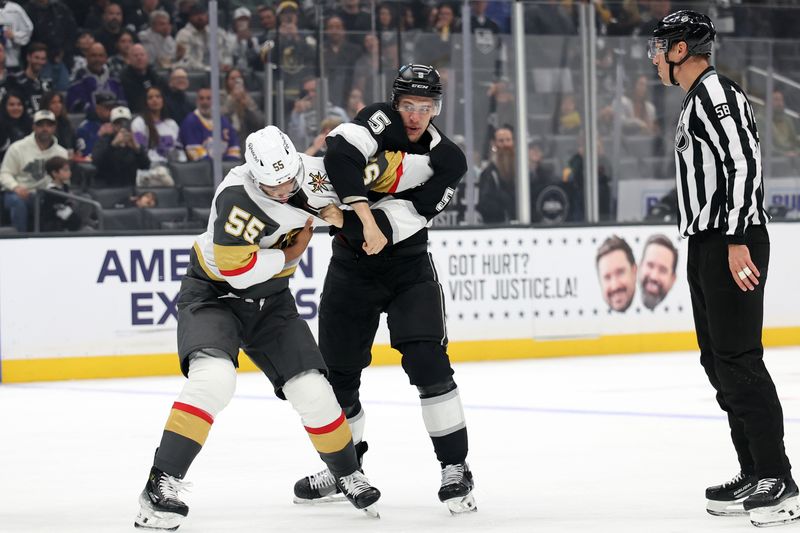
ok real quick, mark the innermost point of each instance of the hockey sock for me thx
(444, 419)
(312, 397)
(210, 387)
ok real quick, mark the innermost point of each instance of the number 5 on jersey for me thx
(378, 122)
(243, 224)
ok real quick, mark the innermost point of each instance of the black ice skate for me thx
(726, 499)
(317, 488)
(456, 489)
(362, 495)
(774, 502)
(321, 487)
(159, 505)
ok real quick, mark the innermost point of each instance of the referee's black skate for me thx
(321, 487)
(456, 489)
(159, 505)
(358, 490)
(774, 502)
(726, 499)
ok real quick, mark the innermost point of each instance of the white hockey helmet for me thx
(273, 162)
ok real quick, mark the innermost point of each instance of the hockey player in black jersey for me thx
(401, 280)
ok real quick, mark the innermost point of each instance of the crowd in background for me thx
(124, 87)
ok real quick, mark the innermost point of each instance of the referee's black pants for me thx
(728, 322)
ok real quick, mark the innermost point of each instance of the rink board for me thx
(90, 307)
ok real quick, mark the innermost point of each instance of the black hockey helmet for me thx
(696, 29)
(418, 80)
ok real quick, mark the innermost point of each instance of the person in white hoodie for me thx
(16, 28)
(23, 168)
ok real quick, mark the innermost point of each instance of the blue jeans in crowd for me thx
(18, 209)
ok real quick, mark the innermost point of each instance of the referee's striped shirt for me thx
(718, 160)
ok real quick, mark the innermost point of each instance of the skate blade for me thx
(461, 505)
(734, 508)
(783, 513)
(334, 498)
(149, 518)
(372, 511)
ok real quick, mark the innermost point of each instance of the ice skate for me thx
(774, 502)
(726, 499)
(160, 508)
(356, 488)
(456, 489)
(317, 488)
(321, 487)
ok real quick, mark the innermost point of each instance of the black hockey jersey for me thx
(379, 127)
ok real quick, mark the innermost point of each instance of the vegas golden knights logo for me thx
(319, 182)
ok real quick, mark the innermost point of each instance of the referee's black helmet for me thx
(696, 29)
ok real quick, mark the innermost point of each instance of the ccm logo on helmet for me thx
(418, 86)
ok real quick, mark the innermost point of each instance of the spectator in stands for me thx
(91, 80)
(497, 183)
(192, 43)
(304, 120)
(386, 27)
(111, 27)
(96, 124)
(294, 55)
(626, 18)
(572, 177)
(356, 21)
(142, 200)
(486, 37)
(365, 74)
(28, 83)
(785, 140)
(502, 110)
(157, 132)
(138, 77)
(340, 55)
(158, 40)
(117, 62)
(90, 18)
(656, 10)
(15, 123)
(3, 70)
(567, 118)
(16, 29)
(246, 47)
(178, 105)
(553, 18)
(84, 41)
(638, 113)
(542, 175)
(196, 131)
(53, 25)
(268, 22)
(59, 213)
(355, 103)
(117, 155)
(411, 34)
(438, 42)
(182, 13)
(22, 170)
(139, 17)
(319, 146)
(240, 107)
(65, 133)
(55, 72)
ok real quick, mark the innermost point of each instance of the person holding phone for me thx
(117, 155)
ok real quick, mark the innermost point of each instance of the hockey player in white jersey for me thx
(235, 295)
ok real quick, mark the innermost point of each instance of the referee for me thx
(721, 211)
